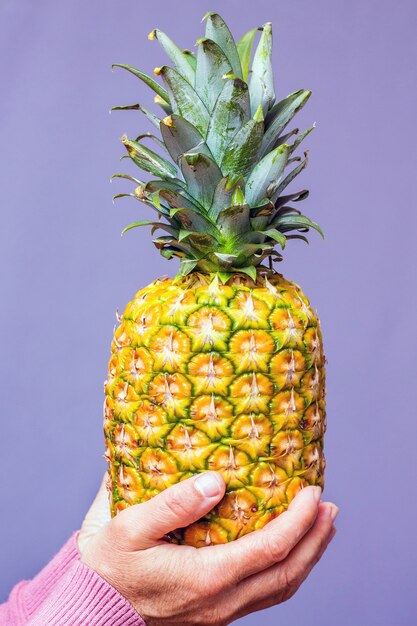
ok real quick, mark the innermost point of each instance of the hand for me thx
(171, 585)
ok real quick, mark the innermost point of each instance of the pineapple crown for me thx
(218, 191)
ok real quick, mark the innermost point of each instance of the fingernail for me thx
(317, 494)
(334, 512)
(208, 484)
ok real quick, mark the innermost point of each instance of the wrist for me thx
(83, 596)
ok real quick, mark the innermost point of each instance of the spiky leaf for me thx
(148, 160)
(153, 138)
(181, 136)
(184, 100)
(292, 197)
(294, 222)
(193, 221)
(127, 177)
(244, 48)
(276, 236)
(242, 152)
(187, 266)
(261, 85)
(212, 66)
(223, 194)
(138, 107)
(161, 225)
(175, 195)
(190, 58)
(280, 115)
(177, 56)
(250, 270)
(153, 84)
(301, 138)
(266, 175)
(231, 112)
(218, 31)
(167, 109)
(290, 177)
(202, 175)
(234, 221)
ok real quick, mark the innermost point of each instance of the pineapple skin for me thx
(211, 376)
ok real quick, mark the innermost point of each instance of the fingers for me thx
(305, 555)
(263, 548)
(144, 525)
(279, 582)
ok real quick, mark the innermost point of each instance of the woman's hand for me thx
(171, 585)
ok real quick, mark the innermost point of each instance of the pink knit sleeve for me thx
(67, 593)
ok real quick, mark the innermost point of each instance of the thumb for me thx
(144, 525)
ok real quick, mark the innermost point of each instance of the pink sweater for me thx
(67, 593)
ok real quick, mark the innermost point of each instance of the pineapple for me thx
(222, 367)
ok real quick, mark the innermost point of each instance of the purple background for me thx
(65, 269)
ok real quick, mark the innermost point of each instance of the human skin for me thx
(173, 585)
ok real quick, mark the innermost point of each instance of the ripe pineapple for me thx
(221, 367)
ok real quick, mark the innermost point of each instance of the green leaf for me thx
(177, 56)
(288, 210)
(292, 197)
(138, 107)
(280, 115)
(298, 237)
(290, 177)
(244, 48)
(148, 160)
(123, 195)
(224, 276)
(300, 138)
(212, 66)
(238, 198)
(234, 221)
(157, 88)
(250, 270)
(160, 225)
(184, 100)
(167, 109)
(223, 195)
(225, 259)
(151, 200)
(284, 138)
(167, 254)
(127, 177)
(231, 112)
(190, 58)
(201, 241)
(172, 193)
(264, 207)
(242, 152)
(187, 266)
(218, 31)
(202, 175)
(153, 138)
(172, 244)
(181, 136)
(261, 87)
(266, 175)
(294, 222)
(193, 221)
(276, 236)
